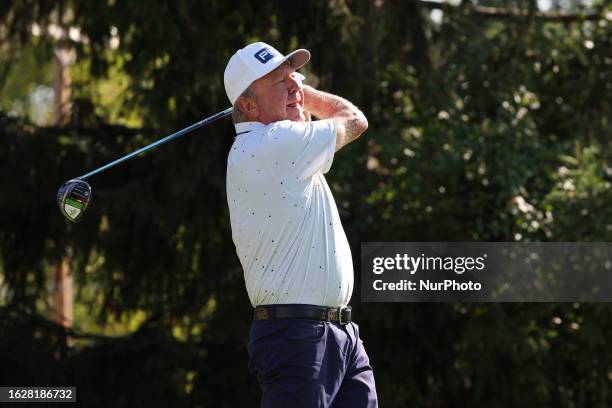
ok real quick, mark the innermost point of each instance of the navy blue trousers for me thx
(309, 363)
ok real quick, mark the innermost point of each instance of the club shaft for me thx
(159, 142)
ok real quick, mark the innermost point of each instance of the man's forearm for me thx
(350, 121)
(324, 105)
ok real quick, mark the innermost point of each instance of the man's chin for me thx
(296, 115)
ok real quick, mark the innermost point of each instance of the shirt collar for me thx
(244, 127)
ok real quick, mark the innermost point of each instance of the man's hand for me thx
(299, 78)
(349, 120)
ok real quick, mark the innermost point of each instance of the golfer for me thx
(303, 346)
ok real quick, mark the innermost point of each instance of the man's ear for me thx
(248, 107)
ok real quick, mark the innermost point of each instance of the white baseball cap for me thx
(253, 62)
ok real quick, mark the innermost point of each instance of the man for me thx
(303, 346)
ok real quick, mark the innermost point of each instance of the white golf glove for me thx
(299, 78)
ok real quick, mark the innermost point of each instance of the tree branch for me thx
(505, 13)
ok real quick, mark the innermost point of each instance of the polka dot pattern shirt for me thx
(285, 223)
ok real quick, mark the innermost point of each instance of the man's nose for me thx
(299, 78)
(294, 84)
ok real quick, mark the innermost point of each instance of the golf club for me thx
(74, 196)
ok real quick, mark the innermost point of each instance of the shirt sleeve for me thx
(302, 149)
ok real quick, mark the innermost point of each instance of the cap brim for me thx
(298, 58)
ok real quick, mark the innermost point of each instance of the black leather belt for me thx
(341, 315)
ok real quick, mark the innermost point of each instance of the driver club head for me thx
(73, 197)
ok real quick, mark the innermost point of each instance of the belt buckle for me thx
(341, 314)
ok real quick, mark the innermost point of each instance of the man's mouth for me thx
(294, 104)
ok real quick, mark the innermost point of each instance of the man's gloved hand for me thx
(299, 78)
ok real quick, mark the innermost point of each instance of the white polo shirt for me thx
(285, 224)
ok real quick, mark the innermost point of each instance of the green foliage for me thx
(29, 70)
(480, 130)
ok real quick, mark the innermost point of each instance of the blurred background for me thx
(489, 121)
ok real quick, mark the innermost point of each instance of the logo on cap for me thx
(264, 55)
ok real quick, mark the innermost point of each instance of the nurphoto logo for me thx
(486, 271)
